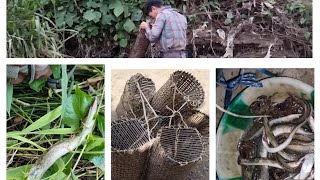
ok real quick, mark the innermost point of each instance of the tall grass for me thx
(31, 34)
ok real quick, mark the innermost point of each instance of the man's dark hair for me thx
(149, 4)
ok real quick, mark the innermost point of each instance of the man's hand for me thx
(144, 25)
(41, 72)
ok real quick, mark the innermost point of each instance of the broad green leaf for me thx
(129, 25)
(49, 117)
(56, 71)
(104, 9)
(115, 37)
(121, 35)
(70, 19)
(118, 11)
(106, 19)
(89, 15)
(117, 7)
(96, 5)
(114, 4)
(307, 35)
(18, 173)
(93, 30)
(101, 127)
(123, 42)
(23, 139)
(94, 142)
(136, 16)
(60, 21)
(9, 97)
(60, 17)
(80, 27)
(71, 8)
(38, 84)
(89, 3)
(118, 25)
(98, 16)
(303, 20)
(77, 108)
(97, 159)
(126, 11)
(93, 4)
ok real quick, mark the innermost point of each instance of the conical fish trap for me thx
(130, 148)
(181, 88)
(174, 153)
(130, 104)
(200, 121)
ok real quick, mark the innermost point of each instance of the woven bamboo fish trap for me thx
(174, 153)
(166, 141)
(181, 89)
(130, 104)
(200, 121)
(130, 149)
(155, 125)
(140, 46)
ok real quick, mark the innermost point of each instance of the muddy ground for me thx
(305, 75)
(120, 77)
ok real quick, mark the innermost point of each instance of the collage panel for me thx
(158, 119)
(265, 124)
(159, 29)
(55, 122)
(160, 124)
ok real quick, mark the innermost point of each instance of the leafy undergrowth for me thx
(255, 27)
(62, 28)
(38, 120)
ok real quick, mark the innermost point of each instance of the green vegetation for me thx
(38, 120)
(30, 33)
(302, 11)
(41, 28)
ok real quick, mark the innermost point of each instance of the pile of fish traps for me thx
(159, 134)
(280, 143)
